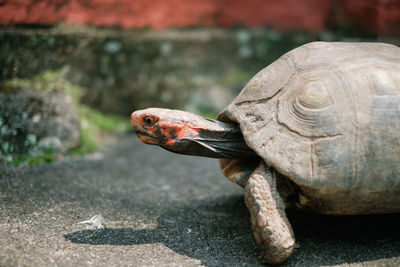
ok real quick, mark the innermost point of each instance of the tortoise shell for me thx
(327, 117)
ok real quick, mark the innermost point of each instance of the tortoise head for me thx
(186, 133)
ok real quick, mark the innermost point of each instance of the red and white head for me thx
(186, 133)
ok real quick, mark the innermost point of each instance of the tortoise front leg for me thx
(271, 228)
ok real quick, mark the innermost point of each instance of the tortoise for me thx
(317, 130)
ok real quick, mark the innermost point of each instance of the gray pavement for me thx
(161, 209)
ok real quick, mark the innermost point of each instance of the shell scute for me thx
(308, 106)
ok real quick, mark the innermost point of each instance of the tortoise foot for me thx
(271, 228)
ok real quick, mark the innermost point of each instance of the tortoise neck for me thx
(214, 139)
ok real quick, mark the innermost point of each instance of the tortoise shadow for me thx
(217, 232)
(332, 240)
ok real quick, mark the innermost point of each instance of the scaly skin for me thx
(271, 228)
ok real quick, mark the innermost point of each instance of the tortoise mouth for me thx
(140, 131)
(141, 135)
(148, 139)
(146, 136)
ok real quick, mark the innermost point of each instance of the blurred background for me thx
(72, 71)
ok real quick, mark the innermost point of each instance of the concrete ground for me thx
(161, 209)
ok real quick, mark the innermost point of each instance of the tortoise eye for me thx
(149, 120)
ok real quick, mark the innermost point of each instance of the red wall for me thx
(379, 16)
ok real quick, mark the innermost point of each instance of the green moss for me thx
(209, 114)
(43, 157)
(48, 81)
(94, 124)
(237, 77)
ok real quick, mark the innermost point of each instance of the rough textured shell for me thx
(327, 115)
